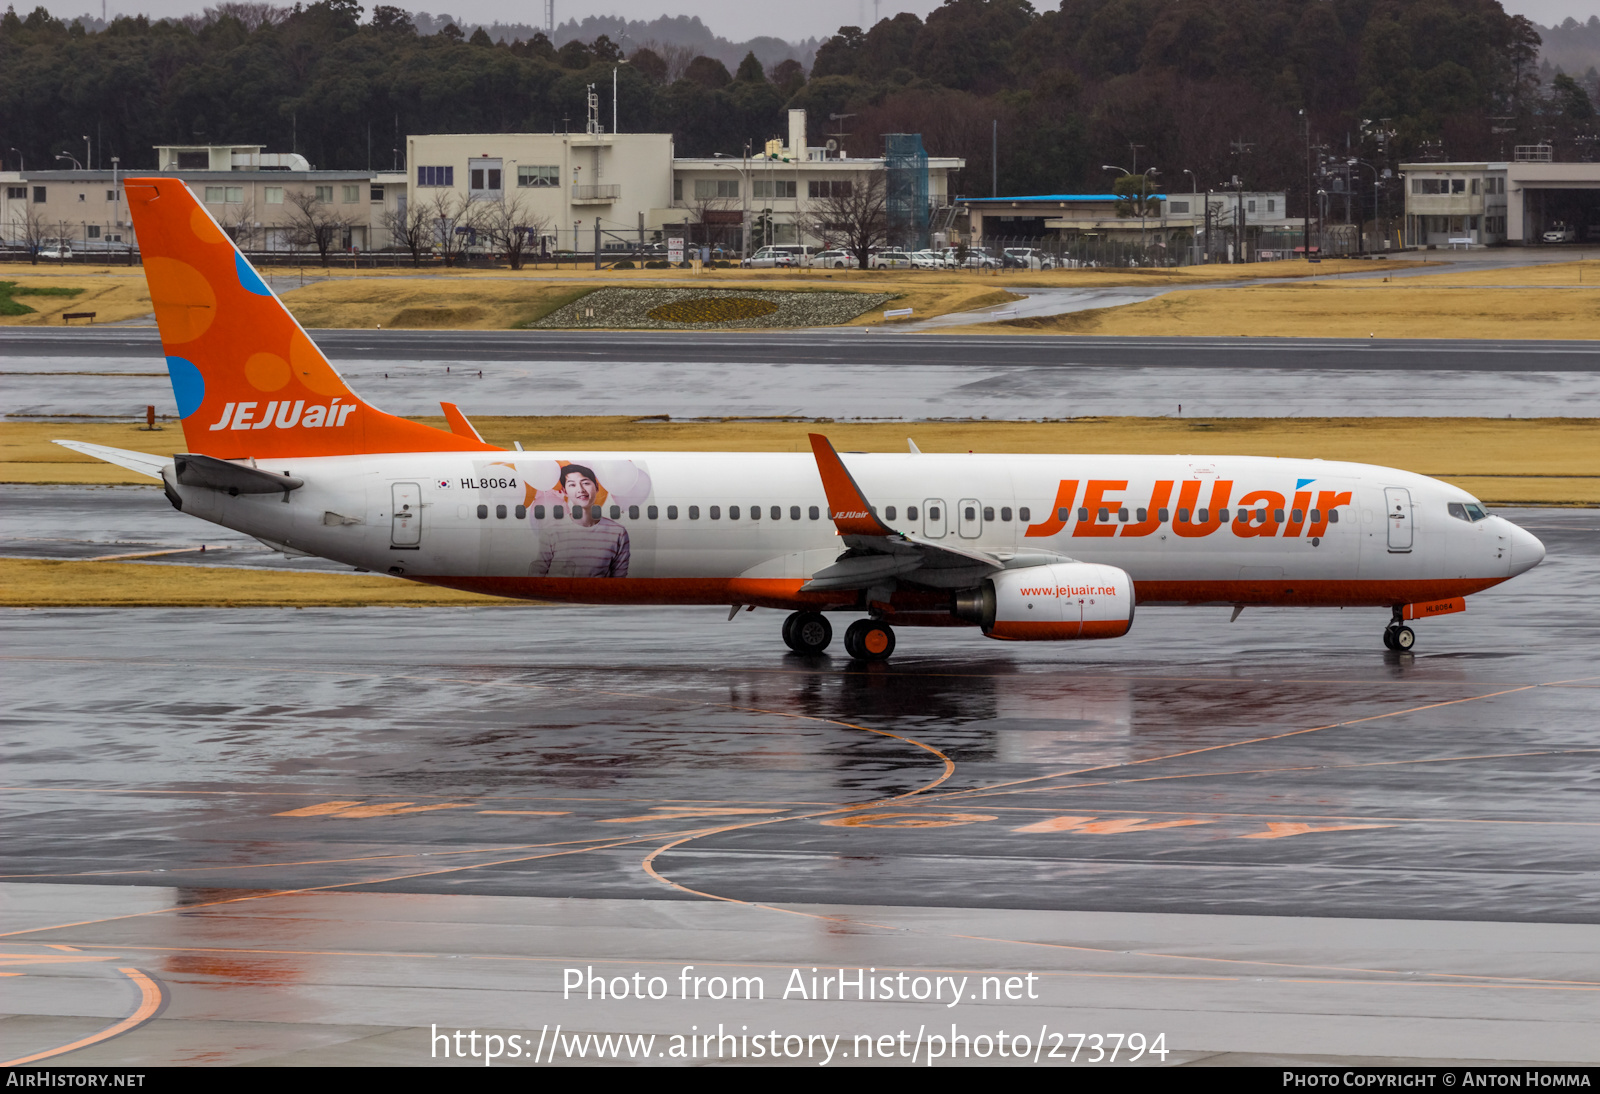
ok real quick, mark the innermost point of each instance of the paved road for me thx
(864, 346)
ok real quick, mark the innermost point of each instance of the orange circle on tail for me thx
(267, 371)
(184, 301)
(203, 226)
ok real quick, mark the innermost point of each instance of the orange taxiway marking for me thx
(150, 1000)
(1279, 831)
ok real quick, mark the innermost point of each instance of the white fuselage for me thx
(678, 527)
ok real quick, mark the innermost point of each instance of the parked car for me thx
(891, 260)
(1027, 258)
(768, 257)
(1561, 234)
(56, 250)
(835, 260)
(927, 260)
(975, 259)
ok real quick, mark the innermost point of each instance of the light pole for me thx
(1305, 238)
(1361, 237)
(1143, 194)
(744, 191)
(69, 156)
(116, 191)
(88, 152)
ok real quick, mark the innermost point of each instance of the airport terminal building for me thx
(569, 189)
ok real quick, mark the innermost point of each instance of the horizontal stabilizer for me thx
(141, 462)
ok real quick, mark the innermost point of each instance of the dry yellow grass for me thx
(112, 293)
(1547, 461)
(1567, 274)
(1403, 308)
(38, 583)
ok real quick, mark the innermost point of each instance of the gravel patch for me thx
(709, 309)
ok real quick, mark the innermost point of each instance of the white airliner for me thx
(1020, 547)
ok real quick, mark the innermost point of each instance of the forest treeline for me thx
(1200, 89)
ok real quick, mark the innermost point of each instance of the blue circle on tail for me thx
(188, 386)
(248, 277)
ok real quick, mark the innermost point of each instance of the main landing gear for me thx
(869, 640)
(808, 634)
(1397, 636)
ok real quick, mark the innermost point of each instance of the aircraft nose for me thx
(1526, 550)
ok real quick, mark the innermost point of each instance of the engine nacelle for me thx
(1058, 602)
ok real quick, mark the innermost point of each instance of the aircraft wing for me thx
(877, 553)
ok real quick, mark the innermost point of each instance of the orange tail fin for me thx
(248, 380)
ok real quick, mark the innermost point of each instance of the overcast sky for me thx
(734, 19)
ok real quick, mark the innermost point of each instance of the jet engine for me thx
(1057, 602)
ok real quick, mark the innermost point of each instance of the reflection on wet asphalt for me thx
(1284, 764)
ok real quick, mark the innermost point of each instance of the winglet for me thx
(458, 422)
(851, 513)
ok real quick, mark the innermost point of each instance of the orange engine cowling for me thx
(1054, 603)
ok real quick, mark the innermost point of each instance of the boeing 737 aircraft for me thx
(1020, 547)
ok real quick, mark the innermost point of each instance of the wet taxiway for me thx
(311, 835)
(853, 374)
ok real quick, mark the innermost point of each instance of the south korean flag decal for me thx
(444, 484)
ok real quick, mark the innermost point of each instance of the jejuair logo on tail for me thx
(284, 415)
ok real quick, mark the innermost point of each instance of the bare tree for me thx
(853, 214)
(253, 16)
(676, 57)
(510, 228)
(30, 228)
(314, 223)
(410, 225)
(239, 221)
(454, 222)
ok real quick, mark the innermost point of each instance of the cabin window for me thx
(522, 512)
(483, 512)
(1122, 514)
(1005, 512)
(1299, 515)
(733, 513)
(672, 512)
(911, 512)
(933, 512)
(988, 512)
(653, 513)
(1333, 516)
(633, 512)
(889, 513)
(777, 513)
(1023, 515)
(1316, 516)
(1083, 513)
(1064, 515)
(755, 512)
(1200, 516)
(694, 512)
(616, 511)
(500, 512)
(1277, 515)
(815, 513)
(794, 512)
(715, 512)
(555, 512)
(538, 512)
(1103, 514)
(1142, 515)
(1183, 516)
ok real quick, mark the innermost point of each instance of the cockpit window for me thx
(1468, 511)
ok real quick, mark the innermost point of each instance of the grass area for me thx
(1413, 307)
(40, 583)
(1543, 461)
(9, 290)
(112, 293)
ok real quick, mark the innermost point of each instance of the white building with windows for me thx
(635, 188)
(1513, 201)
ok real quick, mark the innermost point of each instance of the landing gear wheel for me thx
(1388, 637)
(807, 633)
(869, 640)
(1404, 639)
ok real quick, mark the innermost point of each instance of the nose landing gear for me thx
(1397, 636)
(807, 633)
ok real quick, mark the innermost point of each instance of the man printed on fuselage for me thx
(586, 544)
